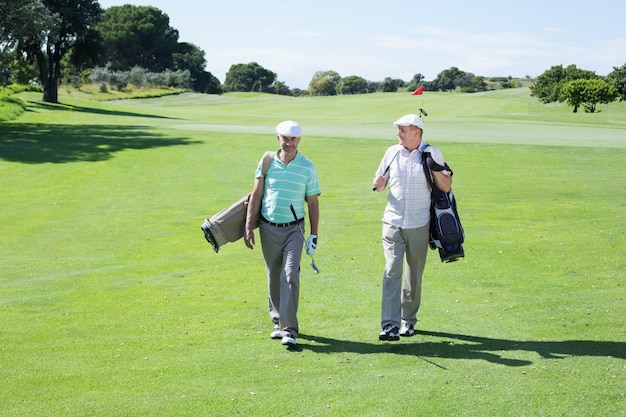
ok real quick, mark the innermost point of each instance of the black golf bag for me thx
(446, 231)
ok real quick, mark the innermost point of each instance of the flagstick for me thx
(419, 91)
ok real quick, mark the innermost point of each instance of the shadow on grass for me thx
(81, 109)
(458, 346)
(42, 143)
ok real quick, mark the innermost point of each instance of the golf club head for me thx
(422, 111)
(293, 211)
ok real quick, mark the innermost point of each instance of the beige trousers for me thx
(403, 248)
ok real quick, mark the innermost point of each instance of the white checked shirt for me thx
(408, 202)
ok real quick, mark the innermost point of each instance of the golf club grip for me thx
(387, 169)
(293, 211)
(384, 173)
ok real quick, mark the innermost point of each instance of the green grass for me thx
(10, 107)
(112, 303)
(93, 91)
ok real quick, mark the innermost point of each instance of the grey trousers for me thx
(282, 251)
(403, 247)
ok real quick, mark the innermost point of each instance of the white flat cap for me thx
(289, 128)
(410, 120)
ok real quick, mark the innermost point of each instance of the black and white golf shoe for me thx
(289, 341)
(390, 333)
(407, 329)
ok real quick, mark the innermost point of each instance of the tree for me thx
(248, 77)
(448, 80)
(280, 88)
(352, 84)
(588, 93)
(478, 84)
(324, 83)
(547, 86)
(617, 78)
(373, 86)
(417, 80)
(191, 58)
(390, 85)
(19, 20)
(22, 71)
(22, 22)
(87, 52)
(141, 36)
(465, 80)
(138, 36)
(65, 21)
(297, 92)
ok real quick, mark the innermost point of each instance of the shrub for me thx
(137, 76)
(99, 74)
(119, 79)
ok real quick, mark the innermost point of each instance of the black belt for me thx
(264, 220)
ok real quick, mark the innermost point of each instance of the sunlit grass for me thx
(113, 304)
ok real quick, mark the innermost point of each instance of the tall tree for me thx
(87, 53)
(138, 36)
(191, 58)
(64, 22)
(22, 22)
(248, 77)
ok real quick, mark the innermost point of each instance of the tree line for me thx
(76, 41)
(578, 87)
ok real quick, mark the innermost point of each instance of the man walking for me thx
(291, 180)
(406, 222)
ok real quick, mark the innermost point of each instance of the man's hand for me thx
(248, 238)
(311, 245)
(379, 183)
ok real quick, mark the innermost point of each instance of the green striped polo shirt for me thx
(285, 185)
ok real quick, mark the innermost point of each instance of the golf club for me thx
(422, 111)
(293, 211)
(387, 169)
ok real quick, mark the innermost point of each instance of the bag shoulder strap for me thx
(428, 164)
(267, 160)
(429, 178)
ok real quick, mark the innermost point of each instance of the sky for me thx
(399, 38)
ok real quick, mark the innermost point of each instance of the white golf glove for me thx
(311, 245)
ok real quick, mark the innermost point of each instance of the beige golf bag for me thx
(228, 225)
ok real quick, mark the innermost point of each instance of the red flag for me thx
(419, 91)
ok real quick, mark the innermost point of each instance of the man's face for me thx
(410, 136)
(289, 144)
